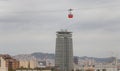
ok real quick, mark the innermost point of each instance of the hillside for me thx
(40, 55)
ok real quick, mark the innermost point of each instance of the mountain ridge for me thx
(42, 56)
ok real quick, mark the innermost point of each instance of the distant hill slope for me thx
(40, 55)
(24, 57)
(101, 60)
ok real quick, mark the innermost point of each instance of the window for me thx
(104, 70)
(98, 70)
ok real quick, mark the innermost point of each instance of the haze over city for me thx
(28, 26)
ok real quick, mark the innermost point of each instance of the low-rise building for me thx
(8, 63)
(106, 67)
(27, 64)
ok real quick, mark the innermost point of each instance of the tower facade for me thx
(64, 51)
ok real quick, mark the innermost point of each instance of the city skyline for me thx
(29, 26)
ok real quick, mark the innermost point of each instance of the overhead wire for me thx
(55, 10)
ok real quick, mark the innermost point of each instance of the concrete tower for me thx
(64, 51)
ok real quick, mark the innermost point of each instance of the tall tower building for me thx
(64, 51)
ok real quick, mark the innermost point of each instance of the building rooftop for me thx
(63, 32)
(6, 57)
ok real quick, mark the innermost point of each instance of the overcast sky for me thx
(28, 26)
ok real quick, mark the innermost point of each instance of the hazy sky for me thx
(28, 26)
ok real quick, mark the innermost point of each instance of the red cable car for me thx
(70, 15)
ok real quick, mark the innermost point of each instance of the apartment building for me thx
(8, 63)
